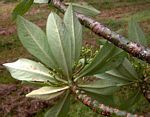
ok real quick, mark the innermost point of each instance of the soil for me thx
(13, 101)
(119, 12)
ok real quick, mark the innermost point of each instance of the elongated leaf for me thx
(105, 99)
(113, 75)
(41, 1)
(75, 30)
(135, 33)
(127, 102)
(123, 73)
(22, 8)
(27, 70)
(61, 108)
(85, 9)
(127, 70)
(103, 87)
(109, 57)
(47, 93)
(60, 43)
(35, 41)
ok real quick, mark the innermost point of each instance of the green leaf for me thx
(109, 57)
(27, 70)
(41, 1)
(128, 70)
(123, 73)
(60, 43)
(35, 41)
(103, 87)
(47, 93)
(132, 99)
(85, 9)
(75, 30)
(113, 75)
(61, 108)
(105, 99)
(135, 33)
(22, 8)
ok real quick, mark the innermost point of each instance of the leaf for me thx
(113, 75)
(60, 43)
(123, 73)
(47, 93)
(85, 9)
(27, 70)
(22, 8)
(61, 108)
(132, 98)
(109, 57)
(128, 71)
(41, 1)
(105, 99)
(75, 30)
(35, 41)
(103, 87)
(135, 33)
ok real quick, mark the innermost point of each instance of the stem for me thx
(135, 49)
(99, 107)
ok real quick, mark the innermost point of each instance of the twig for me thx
(135, 49)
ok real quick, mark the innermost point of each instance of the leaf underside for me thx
(59, 44)
(35, 41)
(28, 70)
(47, 93)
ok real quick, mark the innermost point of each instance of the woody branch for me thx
(99, 107)
(135, 49)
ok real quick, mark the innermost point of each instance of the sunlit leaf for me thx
(41, 1)
(61, 108)
(60, 43)
(109, 57)
(35, 41)
(47, 93)
(22, 8)
(75, 30)
(85, 9)
(103, 87)
(135, 33)
(27, 70)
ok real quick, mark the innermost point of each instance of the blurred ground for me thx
(114, 13)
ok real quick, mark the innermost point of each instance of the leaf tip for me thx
(28, 95)
(6, 65)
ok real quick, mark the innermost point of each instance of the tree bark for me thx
(134, 49)
(99, 107)
(145, 88)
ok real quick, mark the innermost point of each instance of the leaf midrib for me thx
(31, 71)
(62, 49)
(52, 92)
(74, 36)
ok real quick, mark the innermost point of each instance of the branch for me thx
(99, 107)
(135, 49)
(145, 88)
